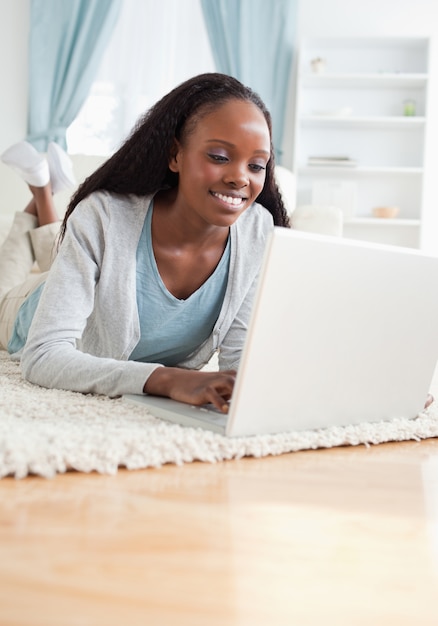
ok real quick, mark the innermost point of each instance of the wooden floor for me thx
(341, 536)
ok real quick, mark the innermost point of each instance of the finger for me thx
(219, 400)
(221, 404)
(223, 383)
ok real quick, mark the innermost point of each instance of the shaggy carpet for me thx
(46, 431)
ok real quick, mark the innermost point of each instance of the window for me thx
(154, 47)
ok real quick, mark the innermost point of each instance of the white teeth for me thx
(229, 199)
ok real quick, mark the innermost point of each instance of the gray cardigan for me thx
(86, 324)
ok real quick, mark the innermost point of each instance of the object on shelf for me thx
(318, 65)
(386, 212)
(331, 161)
(341, 112)
(409, 108)
(341, 194)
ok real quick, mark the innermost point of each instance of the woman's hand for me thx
(192, 387)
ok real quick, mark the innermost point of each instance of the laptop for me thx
(341, 332)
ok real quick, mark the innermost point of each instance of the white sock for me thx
(60, 167)
(28, 163)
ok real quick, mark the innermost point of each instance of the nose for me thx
(236, 175)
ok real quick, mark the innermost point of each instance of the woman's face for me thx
(221, 163)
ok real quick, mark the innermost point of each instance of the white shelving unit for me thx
(355, 107)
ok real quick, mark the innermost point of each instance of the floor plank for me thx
(341, 536)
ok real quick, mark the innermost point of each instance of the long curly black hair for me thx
(140, 165)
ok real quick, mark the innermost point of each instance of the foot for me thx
(28, 163)
(61, 168)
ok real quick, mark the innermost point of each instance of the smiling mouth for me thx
(230, 200)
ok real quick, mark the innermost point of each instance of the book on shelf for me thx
(331, 161)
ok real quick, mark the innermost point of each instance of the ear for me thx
(173, 158)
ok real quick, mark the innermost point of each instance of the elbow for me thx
(31, 367)
(27, 367)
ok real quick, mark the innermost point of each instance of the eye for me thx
(255, 167)
(218, 158)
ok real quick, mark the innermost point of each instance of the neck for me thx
(171, 224)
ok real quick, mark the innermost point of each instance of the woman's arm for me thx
(51, 357)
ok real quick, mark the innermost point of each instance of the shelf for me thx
(353, 106)
(381, 221)
(364, 42)
(385, 122)
(359, 171)
(379, 80)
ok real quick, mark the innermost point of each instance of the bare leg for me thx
(43, 205)
(31, 208)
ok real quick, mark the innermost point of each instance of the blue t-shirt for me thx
(24, 320)
(171, 329)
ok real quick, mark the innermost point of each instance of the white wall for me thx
(14, 30)
(368, 17)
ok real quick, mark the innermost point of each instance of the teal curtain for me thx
(67, 40)
(253, 40)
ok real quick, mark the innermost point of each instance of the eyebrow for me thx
(232, 145)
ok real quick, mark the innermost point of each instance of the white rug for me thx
(46, 431)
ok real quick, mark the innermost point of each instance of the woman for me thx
(160, 252)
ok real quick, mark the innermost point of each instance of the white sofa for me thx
(326, 220)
